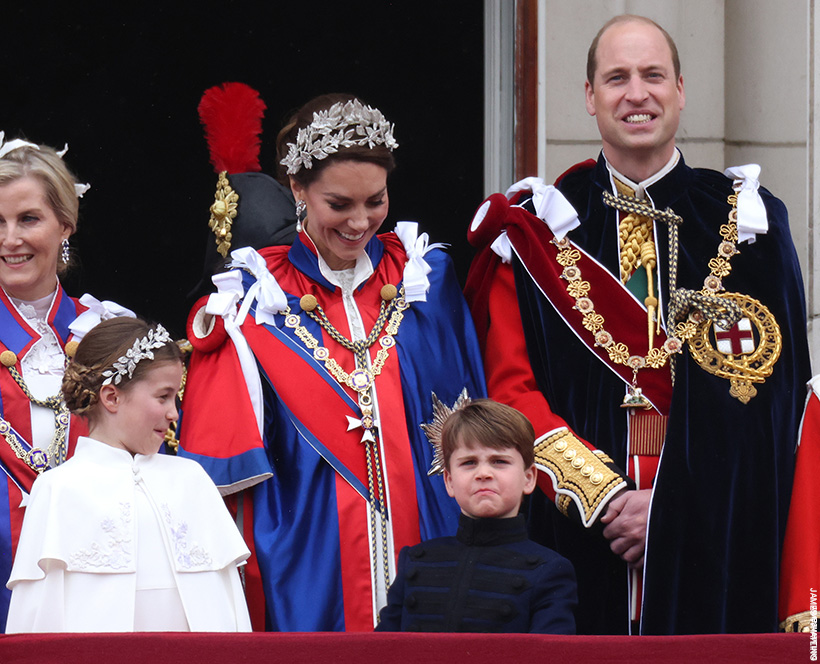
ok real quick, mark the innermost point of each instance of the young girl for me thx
(120, 538)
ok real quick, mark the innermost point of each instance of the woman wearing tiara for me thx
(315, 367)
(39, 202)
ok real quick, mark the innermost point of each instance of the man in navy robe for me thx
(649, 319)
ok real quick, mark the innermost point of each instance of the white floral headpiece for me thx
(142, 349)
(343, 125)
(8, 146)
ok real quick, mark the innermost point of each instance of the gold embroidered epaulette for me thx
(579, 475)
(799, 622)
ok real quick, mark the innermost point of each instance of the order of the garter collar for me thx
(343, 125)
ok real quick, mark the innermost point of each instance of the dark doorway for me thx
(121, 86)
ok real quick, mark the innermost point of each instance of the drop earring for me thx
(65, 255)
(301, 213)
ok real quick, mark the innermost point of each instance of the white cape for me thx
(75, 569)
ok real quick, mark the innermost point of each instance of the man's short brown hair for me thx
(490, 424)
(592, 63)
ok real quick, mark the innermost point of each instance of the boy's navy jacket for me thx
(488, 578)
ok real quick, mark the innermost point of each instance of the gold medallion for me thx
(744, 354)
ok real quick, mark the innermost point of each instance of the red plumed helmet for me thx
(232, 116)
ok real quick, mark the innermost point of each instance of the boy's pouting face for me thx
(488, 482)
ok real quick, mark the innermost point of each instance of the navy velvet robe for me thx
(722, 490)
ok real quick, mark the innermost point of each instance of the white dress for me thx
(115, 543)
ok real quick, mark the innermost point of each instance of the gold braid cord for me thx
(579, 475)
(633, 231)
(799, 622)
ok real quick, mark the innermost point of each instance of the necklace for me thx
(705, 304)
(362, 381)
(37, 459)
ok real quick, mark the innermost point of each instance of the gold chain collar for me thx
(363, 377)
(37, 459)
(594, 322)
(362, 380)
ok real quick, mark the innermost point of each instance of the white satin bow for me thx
(266, 291)
(416, 283)
(96, 313)
(751, 213)
(224, 303)
(551, 206)
(229, 291)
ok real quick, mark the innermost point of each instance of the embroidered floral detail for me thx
(189, 556)
(116, 552)
(46, 355)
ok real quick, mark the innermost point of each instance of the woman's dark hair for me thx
(378, 154)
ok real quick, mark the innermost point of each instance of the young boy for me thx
(489, 577)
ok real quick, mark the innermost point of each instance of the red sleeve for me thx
(800, 564)
(580, 492)
(507, 366)
(509, 375)
(218, 426)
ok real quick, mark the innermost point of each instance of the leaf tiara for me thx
(343, 125)
(142, 349)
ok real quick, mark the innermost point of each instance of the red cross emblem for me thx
(737, 340)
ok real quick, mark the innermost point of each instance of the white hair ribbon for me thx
(8, 146)
(269, 296)
(751, 213)
(416, 283)
(551, 206)
(96, 313)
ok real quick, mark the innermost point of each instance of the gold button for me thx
(388, 292)
(596, 478)
(586, 471)
(560, 446)
(577, 462)
(8, 358)
(569, 455)
(308, 302)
